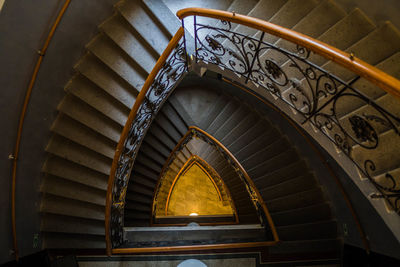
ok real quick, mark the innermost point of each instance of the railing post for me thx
(195, 37)
(255, 56)
(185, 46)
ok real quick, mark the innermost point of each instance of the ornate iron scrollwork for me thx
(170, 74)
(317, 95)
(290, 76)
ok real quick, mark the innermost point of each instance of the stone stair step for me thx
(139, 179)
(71, 207)
(74, 172)
(342, 35)
(112, 56)
(83, 135)
(304, 246)
(373, 48)
(152, 153)
(68, 189)
(94, 70)
(158, 146)
(383, 161)
(241, 7)
(320, 19)
(308, 231)
(326, 14)
(149, 163)
(240, 128)
(134, 45)
(146, 172)
(318, 212)
(266, 152)
(296, 200)
(90, 117)
(142, 21)
(168, 127)
(262, 141)
(89, 93)
(251, 133)
(137, 206)
(213, 112)
(226, 127)
(288, 16)
(223, 115)
(133, 199)
(69, 150)
(174, 117)
(164, 17)
(140, 188)
(391, 66)
(264, 10)
(272, 163)
(72, 241)
(279, 175)
(55, 223)
(163, 136)
(298, 184)
(137, 215)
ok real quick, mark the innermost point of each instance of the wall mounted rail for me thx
(14, 157)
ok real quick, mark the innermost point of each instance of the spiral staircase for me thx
(107, 80)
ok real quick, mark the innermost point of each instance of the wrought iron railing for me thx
(167, 73)
(287, 76)
(348, 117)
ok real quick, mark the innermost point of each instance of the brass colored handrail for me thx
(349, 61)
(246, 176)
(28, 93)
(120, 147)
(192, 247)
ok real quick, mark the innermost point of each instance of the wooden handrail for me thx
(193, 247)
(246, 176)
(28, 93)
(361, 68)
(120, 147)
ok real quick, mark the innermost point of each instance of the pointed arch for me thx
(216, 180)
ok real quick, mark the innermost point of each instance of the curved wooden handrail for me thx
(361, 68)
(120, 147)
(28, 93)
(246, 176)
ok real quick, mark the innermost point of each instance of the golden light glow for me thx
(195, 190)
(193, 214)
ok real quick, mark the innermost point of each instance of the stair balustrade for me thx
(323, 100)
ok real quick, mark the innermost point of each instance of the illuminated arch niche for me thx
(198, 190)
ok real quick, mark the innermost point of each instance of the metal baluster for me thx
(195, 37)
(255, 56)
(184, 45)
